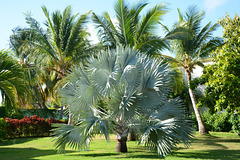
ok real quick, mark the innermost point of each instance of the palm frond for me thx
(41, 36)
(150, 20)
(78, 137)
(74, 39)
(126, 57)
(112, 27)
(124, 19)
(163, 136)
(104, 71)
(78, 93)
(204, 34)
(179, 33)
(156, 76)
(193, 19)
(12, 83)
(151, 45)
(210, 46)
(104, 31)
(135, 11)
(122, 102)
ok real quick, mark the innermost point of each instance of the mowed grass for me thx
(217, 145)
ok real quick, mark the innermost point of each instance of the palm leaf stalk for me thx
(135, 90)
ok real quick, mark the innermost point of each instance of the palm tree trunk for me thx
(121, 145)
(132, 136)
(201, 127)
(70, 119)
(121, 135)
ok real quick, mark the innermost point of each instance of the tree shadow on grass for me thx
(211, 154)
(127, 155)
(25, 153)
(95, 154)
(145, 156)
(16, 141)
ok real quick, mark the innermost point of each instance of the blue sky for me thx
(12, 11)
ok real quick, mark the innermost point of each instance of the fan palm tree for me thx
(135, 89)
(12, 84)
(190, 50)
(132, 29)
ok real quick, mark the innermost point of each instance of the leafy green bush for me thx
(235, 121)
(218, 122)
(3, 126)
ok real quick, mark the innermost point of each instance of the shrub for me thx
(218, 122)
(29, 126)
(235, 121)
(3, 126)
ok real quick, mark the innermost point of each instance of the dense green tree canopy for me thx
(223, 77)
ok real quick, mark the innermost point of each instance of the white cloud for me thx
(213, 4)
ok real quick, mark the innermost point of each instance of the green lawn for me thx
(223, 146)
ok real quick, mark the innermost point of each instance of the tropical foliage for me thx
(223, 76)
(12, 84)
(135, 89)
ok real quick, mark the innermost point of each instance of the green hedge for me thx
(3, 127)
(33, 126)
(219, 122)
(30, 112)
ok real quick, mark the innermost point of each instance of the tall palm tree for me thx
(63, 44)
(135, 89)
(34, 76)
(12, 84)
(132, 29)
(189, 50)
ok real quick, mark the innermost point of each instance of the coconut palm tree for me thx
(190, 50)
(35, 76)
(132, 29)
(12, 84)
(135, 90)
(63, 44)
